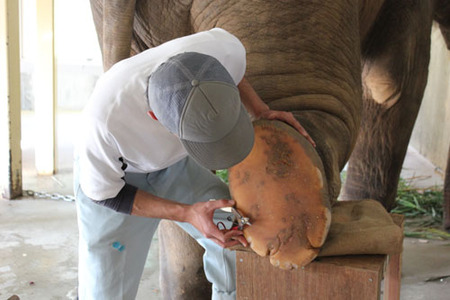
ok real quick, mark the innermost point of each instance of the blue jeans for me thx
(113, 247)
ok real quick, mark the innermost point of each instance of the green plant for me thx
(422, 209)
(223, 175)
(425, 203)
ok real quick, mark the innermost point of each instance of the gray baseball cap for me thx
(195, 98)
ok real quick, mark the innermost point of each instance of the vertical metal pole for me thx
(10, 135)
(44, 85)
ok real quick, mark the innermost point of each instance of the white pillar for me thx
(44, 86)
(10, 151)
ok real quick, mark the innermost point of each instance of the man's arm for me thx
(200, 215)
(251, 100)
(131, 200)
(260, 110)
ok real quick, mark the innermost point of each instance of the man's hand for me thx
(200, 215)
(289, 118)
(259, 110)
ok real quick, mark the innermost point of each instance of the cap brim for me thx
(228, 151)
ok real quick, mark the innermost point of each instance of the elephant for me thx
(352, 72)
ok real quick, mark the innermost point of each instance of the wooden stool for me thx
(357, 277)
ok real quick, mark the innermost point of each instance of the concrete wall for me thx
(431, 134)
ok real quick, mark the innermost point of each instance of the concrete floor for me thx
(39, 236)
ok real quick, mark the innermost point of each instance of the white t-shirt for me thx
(116, 125)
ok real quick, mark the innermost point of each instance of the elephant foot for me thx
(281, 187)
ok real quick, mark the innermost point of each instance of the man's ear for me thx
(152, 115)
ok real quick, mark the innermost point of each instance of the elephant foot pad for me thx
(281, 187)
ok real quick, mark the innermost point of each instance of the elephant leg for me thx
(395, 69)
(447, 195)
(114, 25)
(442, 16)
(181, 270)
(97, 16)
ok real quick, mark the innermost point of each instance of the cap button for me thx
(194, 82)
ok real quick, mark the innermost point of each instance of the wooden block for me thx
(340, 277)
(345, 277)
(393, 273)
